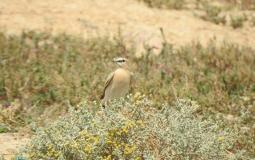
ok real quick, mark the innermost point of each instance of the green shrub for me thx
(212, 14)
(3, 128)
(133, 129)
(237, 21)
(170, 4)
(248, 4)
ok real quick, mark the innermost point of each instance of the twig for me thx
(7, 119)
(163, 35)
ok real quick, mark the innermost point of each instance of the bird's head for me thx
(121, 62)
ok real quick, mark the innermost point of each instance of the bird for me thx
(118, 82)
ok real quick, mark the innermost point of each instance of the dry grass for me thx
(41, 73)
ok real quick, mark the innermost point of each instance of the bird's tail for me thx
(102, 96)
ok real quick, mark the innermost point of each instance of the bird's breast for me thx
(122, 75)
(120, 84)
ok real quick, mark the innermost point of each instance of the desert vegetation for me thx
(175, 4)
(216, 12)
(133, 129)
(193, 101)
(44, 75)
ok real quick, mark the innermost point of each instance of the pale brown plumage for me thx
(107, 83)
(118, 82)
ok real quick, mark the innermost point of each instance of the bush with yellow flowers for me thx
(132, 128)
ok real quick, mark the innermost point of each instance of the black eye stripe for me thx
(121, 60)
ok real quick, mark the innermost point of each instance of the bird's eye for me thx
(121, 60)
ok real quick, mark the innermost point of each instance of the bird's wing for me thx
(107, 83)
(132, 80)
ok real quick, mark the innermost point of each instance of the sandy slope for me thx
(138, 23)
(88, 18)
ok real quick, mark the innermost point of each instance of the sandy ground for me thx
(87, 18)
(10, 143)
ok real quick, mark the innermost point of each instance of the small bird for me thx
(118, 82)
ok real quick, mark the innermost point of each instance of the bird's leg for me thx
(104, 104)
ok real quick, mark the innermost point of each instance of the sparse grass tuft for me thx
(212, 14)
(169, 4)
(237, 21)
(243, 4)
(214, 11)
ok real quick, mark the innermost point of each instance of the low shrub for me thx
(213, 14)
(170, 4)
(133, 129)
(237, 21)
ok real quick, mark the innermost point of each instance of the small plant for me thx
(3, 128)
(248, 4)
(213, 14)
(170, 4)
(237, 21)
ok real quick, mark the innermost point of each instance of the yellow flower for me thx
(129, 149)
(125, 130)
(96, 139)
(52, 152)
(109, 157)
(221, 139)
(116, 145)
(88, 149)
(140, 123)
(137, 95)
(109, 141)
